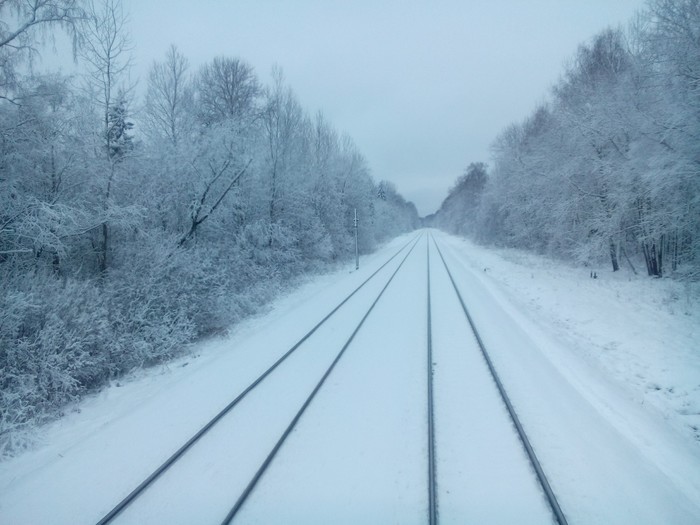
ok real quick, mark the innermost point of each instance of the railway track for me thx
(433, 438)
(433, 516)
(524, 440)
(137, 492)
(251, 485)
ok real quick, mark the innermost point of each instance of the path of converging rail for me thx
(400, 357)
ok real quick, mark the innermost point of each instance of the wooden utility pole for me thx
(357, 251)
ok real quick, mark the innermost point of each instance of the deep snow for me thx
(631, 376)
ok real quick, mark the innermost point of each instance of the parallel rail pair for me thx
(532, 457)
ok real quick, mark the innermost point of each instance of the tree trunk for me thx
(104, 242)
(104, 245)
(613, 256)
(653, 256)
(273, 197)
(624, 253)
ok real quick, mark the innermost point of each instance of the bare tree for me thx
(106, 47)
(281, 119)
(227, 89)
(169, 97)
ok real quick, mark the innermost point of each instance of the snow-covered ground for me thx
(610, 457)
(608, 387)
(642, 333)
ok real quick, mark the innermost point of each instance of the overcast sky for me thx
(423, 87)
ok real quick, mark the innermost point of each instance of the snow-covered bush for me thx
(55, 344)
(151, 295)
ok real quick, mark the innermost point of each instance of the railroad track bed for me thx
(356, 452)
(484, 474)
(360, 453)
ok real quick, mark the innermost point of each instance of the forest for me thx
(130, 227)
(608, 168)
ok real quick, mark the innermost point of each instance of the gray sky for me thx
(422, 87)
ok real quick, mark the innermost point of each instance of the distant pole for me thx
(357, 250)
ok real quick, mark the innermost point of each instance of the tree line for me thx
(609, 167)
(124, 234)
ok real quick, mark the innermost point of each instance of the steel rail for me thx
(541, 477)
(432, 473)
(134, 494)
(268, 460)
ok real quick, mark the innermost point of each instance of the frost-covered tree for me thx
(106, 49)
(607, 168)
(282, 120)
(41, 176)
(120, 245)
(668, 112)
(168, 108)
(120, 138)
(393, 214)
(215, 171)
(458, 211)
(22, 24)
(227, 89)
